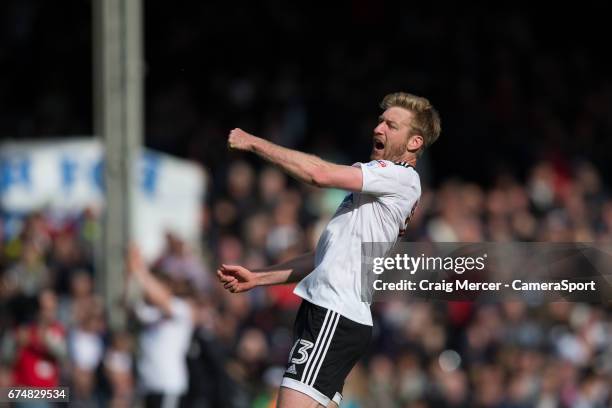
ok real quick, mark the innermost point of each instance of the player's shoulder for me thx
(387, 163)
(405, 168)
(400, 169)
(407, 173)
(404, 164)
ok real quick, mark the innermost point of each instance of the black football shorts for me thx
(325, 349)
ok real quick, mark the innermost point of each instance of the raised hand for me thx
(239, 139)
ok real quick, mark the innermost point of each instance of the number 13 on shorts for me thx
(302, 351)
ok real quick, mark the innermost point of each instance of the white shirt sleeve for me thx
(379, 177)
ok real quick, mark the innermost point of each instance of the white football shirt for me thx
(164, 344)
(378, 213)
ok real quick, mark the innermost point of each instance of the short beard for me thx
(394, 153)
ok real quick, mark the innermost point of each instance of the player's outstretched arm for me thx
(238, 279)
(304, 167)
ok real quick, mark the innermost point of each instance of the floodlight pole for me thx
(118, 120)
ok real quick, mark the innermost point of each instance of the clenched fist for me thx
(235, 278)
(240, 140)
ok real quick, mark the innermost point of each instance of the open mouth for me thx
(378, 145)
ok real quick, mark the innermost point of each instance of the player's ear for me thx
(415, 142)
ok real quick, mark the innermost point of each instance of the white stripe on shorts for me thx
(329, 340)
(316, 345)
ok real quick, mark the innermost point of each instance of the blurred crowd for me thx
(55, 330)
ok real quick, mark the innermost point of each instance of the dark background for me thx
(513, 85)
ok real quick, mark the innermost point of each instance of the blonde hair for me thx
(425, 120)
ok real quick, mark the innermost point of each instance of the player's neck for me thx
(407, 157)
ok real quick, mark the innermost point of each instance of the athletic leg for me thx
(289, 398)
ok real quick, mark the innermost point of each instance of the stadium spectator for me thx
(179, 263)
(39, 348)
(168, 322)
(118, 368)
(86, 350)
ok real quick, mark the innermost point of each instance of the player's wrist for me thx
(258, 279)
(252, 144)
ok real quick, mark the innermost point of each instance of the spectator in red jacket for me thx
(39, 347)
